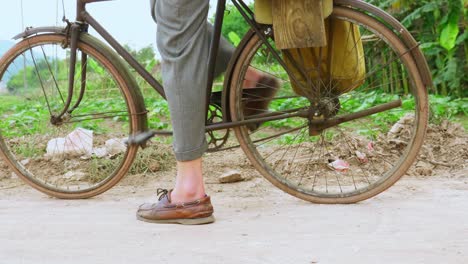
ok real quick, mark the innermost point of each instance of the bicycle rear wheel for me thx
(66, 152)
(308, 156)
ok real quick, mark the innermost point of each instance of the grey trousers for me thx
(183, 40)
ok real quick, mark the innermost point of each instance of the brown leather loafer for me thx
(164, 211)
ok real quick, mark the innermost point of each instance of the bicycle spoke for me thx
(53, 76)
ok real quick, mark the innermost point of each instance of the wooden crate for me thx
(299, 23)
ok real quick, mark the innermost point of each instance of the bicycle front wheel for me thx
(334, 145)
(67, 144)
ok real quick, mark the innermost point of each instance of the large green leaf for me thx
(234, 38)
(448, 36)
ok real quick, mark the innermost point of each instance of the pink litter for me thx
(361, 157)
(370, 146)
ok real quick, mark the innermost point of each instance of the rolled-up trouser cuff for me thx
(192, 154)
(183, 40)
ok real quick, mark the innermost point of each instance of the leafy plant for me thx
(440, 27)
(234, 25)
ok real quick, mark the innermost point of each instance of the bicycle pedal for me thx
(140, 138)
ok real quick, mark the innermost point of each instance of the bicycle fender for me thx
(39, 30)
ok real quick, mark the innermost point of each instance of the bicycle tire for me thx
(260, 151)
(45, 174)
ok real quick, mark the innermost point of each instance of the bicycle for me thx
(332, 147)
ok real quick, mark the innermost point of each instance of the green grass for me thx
(448, 108)
(8, 101)
(20, 117)
(463, 120)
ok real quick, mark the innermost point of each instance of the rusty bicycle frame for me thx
(84, 19)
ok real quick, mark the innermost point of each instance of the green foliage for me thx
(22, 116)
(439, 25)
(234, 38)
(441, 28)
(158, 112)
(234, 25)
(449, 32)
(25, 105)
(146, 56)
(447, 108)
(30, 74)
(95, 67)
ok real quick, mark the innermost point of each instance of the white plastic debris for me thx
(112, 147)
(403, 123)
(396, 129)
(362, 157)
(100, 152)
(74, 175)
(115, 146)
(407, 119)
(339, 165)
(78, 142)
(55, 147)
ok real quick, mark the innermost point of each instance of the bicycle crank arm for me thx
(141, 138)
(319, 125)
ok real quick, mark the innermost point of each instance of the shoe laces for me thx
(161, 193)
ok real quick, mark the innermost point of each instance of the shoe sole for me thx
(181, 221)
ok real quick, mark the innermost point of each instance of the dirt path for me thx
(419, 220)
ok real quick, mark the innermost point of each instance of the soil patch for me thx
(445, 152)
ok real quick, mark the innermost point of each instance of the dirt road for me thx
(419, 220)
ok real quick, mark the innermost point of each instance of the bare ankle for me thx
(180, 196)
(189, 182)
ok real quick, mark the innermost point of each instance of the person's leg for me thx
(181, 39)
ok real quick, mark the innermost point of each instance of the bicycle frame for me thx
(84, 18)
(291, 163)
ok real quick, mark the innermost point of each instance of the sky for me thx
(129, 21)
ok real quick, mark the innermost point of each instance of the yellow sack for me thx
(342, 63)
